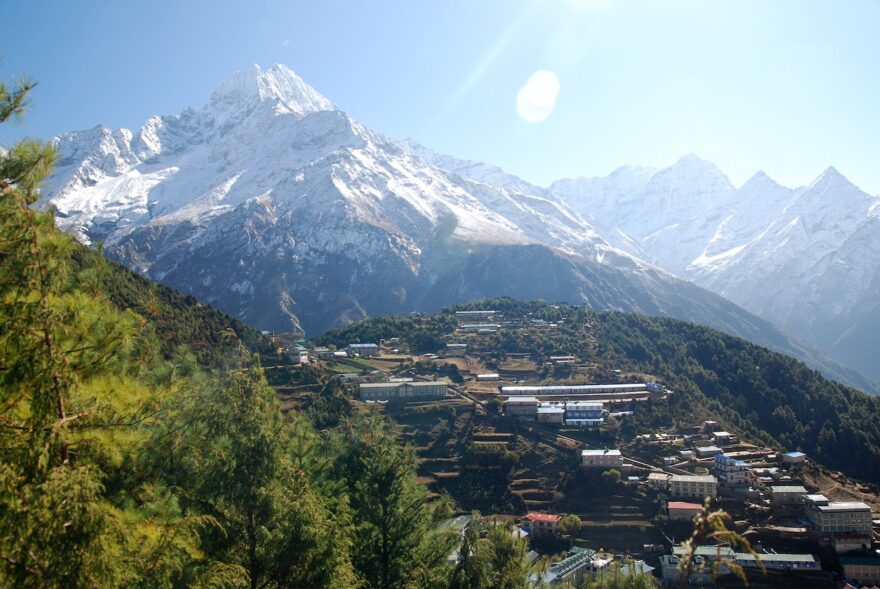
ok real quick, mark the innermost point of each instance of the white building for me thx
(550, 414)
(730, 471)
(708, 451)
(794, 458)
(683, 511)
(601, 458)
(787, 494)
(842, 516)
(488, 377)
(363, 350)
(693, 486)
(386, 391)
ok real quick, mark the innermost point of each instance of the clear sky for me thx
(544, 88)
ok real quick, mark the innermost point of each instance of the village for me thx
(538, 442)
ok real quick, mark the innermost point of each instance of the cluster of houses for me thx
(570, 413)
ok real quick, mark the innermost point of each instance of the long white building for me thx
(386, 391)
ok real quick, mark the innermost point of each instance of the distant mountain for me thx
(807, 259)
(275, 206)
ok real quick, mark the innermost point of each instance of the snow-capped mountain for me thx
(807, 259)
(274, 205)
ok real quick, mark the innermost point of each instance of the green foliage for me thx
(393, 542)
(141, 446)
(611, 476)
(622, 576)
(423, 334)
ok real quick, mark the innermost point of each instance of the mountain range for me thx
(807, 258)
(274, 205)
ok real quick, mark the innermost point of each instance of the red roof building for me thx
(682, 510)
(538, 524)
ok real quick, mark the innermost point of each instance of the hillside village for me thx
(536, 438)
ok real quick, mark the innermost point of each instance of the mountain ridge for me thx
(273, 210)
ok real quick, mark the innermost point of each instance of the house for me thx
(454, 349)
(846, 523)
(487, 377)
(814, 499)
(686, 454)
(563, 360)
(864, 570)
(323, 353)
(550, 414)
(412, 391)
(683, 511)
(658, 480)
(707, 451)
(779, 562)
(693, 486)
(730, 471)
(584, 413)
(479, 315)
(540, 524)
(722, 438)
(572, 569)
(793, 458)
(481, 327)
(363, 350)
(526, 407)
(781, 495)
(603, 458)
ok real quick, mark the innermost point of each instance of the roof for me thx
(844, 506)
(693, 478)
(706, 551)
(521, 400)
(860, 560)
(658, 476)
(534, 516)
(584, 405)
(788, 489)
(684, 505)
(426, 384)
(488, 375)
(577, 387)
(817, 498)
(363, 346)
(715, 449)
(773, 557)
(729, 460)
(794, 454)
(598, 452)
(722, 434)
(550, 409)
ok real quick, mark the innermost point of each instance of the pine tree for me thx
(394, 545)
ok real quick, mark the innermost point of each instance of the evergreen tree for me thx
(471, 570)
(394, 543)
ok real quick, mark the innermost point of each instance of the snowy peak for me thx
(278, 85)
(760, 181)
(691, 175)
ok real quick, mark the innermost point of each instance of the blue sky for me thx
(787, 86)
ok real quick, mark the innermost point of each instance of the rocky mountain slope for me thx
(277, 207)
(807, 259)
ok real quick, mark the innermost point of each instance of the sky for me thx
(546, 89)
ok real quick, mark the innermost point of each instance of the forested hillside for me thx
(770, 396)
(177, 319)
